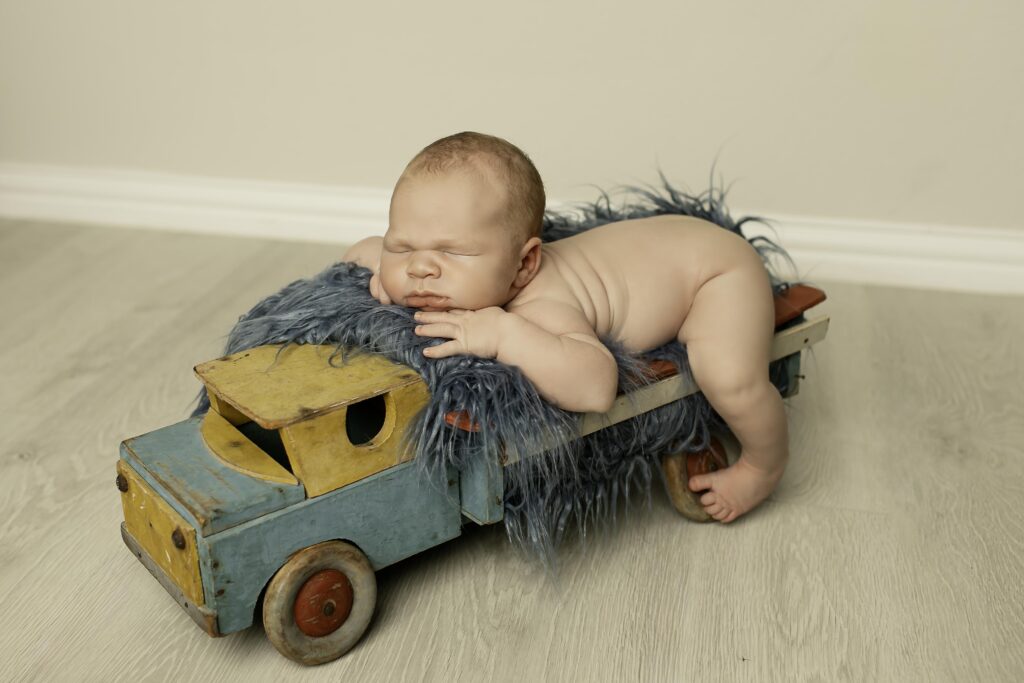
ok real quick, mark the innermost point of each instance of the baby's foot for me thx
(734, 490)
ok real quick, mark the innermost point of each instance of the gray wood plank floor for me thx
(892, 550)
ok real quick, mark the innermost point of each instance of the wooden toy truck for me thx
(291, 491)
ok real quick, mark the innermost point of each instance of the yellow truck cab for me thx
(298, 461)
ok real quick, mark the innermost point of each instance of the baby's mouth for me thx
(428, 302)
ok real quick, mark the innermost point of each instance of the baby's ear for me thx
(531, 249)
(529, 261)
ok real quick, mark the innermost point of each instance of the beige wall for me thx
(895, 110)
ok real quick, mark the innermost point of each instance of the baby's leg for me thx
(728, 334)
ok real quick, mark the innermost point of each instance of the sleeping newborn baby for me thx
(463, 246)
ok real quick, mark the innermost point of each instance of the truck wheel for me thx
(679, 467)
(320, 602)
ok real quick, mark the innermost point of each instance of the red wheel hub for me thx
(323, 603)
(706, 461)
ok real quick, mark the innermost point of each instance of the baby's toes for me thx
(700, 482)
(723, 514)
(713, 509)
(709, 498)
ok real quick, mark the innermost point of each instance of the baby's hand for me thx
(472, 332)
(376, 291)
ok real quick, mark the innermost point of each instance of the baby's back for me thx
(635, 280)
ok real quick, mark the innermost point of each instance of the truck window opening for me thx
(268, 441)
(365, 419)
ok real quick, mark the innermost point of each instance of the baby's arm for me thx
(366, 252)
(556, 348)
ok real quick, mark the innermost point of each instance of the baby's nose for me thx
(422, 265)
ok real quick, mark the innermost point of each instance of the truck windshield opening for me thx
(268, 441)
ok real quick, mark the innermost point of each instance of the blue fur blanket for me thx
(573, 485)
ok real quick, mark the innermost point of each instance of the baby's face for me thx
(446, 246)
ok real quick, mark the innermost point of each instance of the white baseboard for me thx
(957, 258)
(200, 204)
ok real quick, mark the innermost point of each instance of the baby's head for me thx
(464, 225)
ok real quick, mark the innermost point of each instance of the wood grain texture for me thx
(264, 383)
(893, 548)
(154, 523)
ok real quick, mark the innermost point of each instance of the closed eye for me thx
(402, 250)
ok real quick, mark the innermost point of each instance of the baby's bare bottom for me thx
(728, 335)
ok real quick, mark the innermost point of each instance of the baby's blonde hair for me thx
(469, 151)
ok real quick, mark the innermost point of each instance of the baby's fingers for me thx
(430, 316)
(446, 330)
(449, 348)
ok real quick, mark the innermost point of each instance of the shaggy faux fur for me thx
(579, 482)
